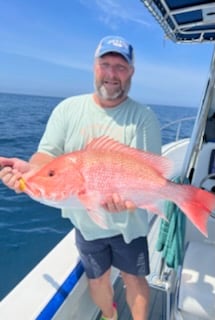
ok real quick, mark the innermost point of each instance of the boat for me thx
(182, 278)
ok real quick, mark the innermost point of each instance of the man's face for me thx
(112, 76)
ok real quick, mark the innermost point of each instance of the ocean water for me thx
(29, 230)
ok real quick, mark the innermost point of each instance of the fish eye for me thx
(51, 173)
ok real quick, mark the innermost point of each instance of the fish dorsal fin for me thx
(159, 163)
(105, 143)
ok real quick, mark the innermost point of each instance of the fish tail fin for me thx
(198, 205)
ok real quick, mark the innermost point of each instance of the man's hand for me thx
(12, 170)
(114, 204)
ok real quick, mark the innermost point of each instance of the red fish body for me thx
(85, 178)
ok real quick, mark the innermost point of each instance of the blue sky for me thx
(47, 48)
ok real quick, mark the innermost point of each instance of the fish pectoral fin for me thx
(153, 208)
(90, 200)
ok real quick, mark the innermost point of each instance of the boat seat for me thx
(210, 129)
(205, 165)
(196, 299)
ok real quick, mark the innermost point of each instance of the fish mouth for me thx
(38, 193)
(33, 190)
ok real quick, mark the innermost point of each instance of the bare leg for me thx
(137, 295)
(102, 293)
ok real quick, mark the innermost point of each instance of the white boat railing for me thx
(179, 126)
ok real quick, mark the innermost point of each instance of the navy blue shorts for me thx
(99, 255)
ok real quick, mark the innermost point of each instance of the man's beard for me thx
(118, 94)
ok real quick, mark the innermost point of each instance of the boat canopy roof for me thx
(185, 20)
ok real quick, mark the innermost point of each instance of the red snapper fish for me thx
(85, 178)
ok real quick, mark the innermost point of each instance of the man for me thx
(76, 121)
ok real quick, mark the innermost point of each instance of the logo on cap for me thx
(118, 43)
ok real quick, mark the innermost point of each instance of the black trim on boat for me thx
(185, 20)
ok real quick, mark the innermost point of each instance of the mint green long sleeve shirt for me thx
(74, 123)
